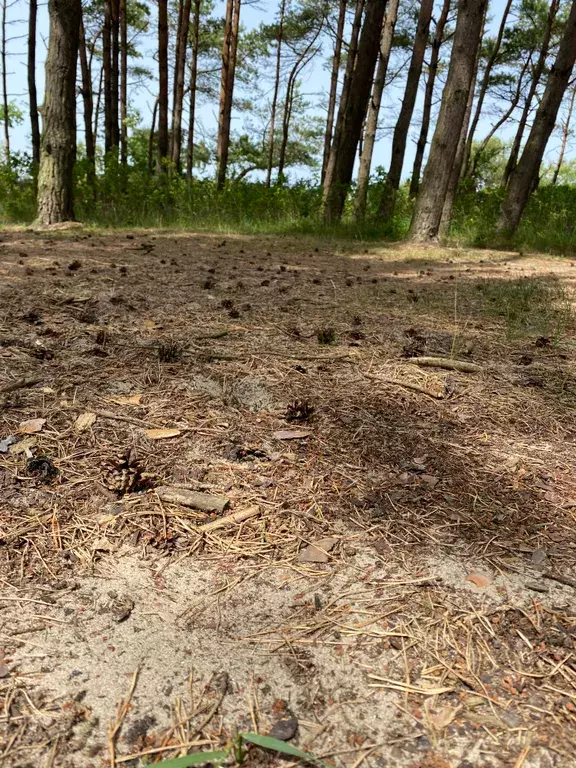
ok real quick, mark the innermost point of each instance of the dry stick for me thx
(168, 748)
(406, 385)
(115, 727)
(20, 384)
(566, 580)
(235, 517)
(446, 362)
(118, 417)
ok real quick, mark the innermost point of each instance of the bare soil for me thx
(433, 626)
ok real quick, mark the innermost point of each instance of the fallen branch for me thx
(566, 580)
(207, 502)
(235, 517)
(118, 417)
(406, 385)
(28, 381)
(445, 362)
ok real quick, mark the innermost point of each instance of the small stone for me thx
(4, 671)
(285, 729)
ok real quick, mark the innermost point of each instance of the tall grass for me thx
(136, 198)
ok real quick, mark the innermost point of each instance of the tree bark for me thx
(193, 86)
(88, 100)
(565, 135)
(32, 95)
(275, 94)
(5, 106)
(374, 110)
(107, 66)
(58, 143)
(336, 58)
(98, 104)
(229, 51)
(525, 175)
(163, 84)
(484, 86)
(350, 64)
(430, 201)
(536, 77)
(428, 97)
(123, 83)
(352, 112)
(389, 193)
(151, 137)
(115, 73)
(456, 172)
(179, 78)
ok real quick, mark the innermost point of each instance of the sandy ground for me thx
(433, 625)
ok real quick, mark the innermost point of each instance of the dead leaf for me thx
(24, 446)
(162, 434)
(151, 324)
(31, 426)
(429, 480)
(126, 400)
(479, 580)
(292, 434)
(382, 547)
(442, 718)
(318, 551)
(84, 421)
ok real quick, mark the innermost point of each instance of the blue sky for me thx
(315, 81)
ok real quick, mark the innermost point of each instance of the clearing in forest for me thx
(399, 575)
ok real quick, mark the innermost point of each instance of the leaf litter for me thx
(381, 648)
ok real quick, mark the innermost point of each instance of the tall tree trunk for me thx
(301, 62)
(428, 97)
(374, 110)
(565, 135)
(123, 83)
(193, 86)
(88, 100)
(350, 64)
(114, 73)
(179, 78)
(32, 96)
(471, 171)
(58, 143)
(98, 104)
(107, 66)
(275, 94)
(229, 51)
(536, 77)
(525, 175)
(336, 58)
(430, 200)
(484, 86)
(151, 137)
(456, 172)
(352, 112)
(163, 84)
(389, 193)
(5, 106)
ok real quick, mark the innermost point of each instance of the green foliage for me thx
(236, 750)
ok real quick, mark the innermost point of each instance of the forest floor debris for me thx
(396, 574)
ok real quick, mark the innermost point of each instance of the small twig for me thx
(115, 726)
(214, 708)
(157, 750)
(445, 362)
(235, 517)
(118, 417)
(406, 385)
(28, 381)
